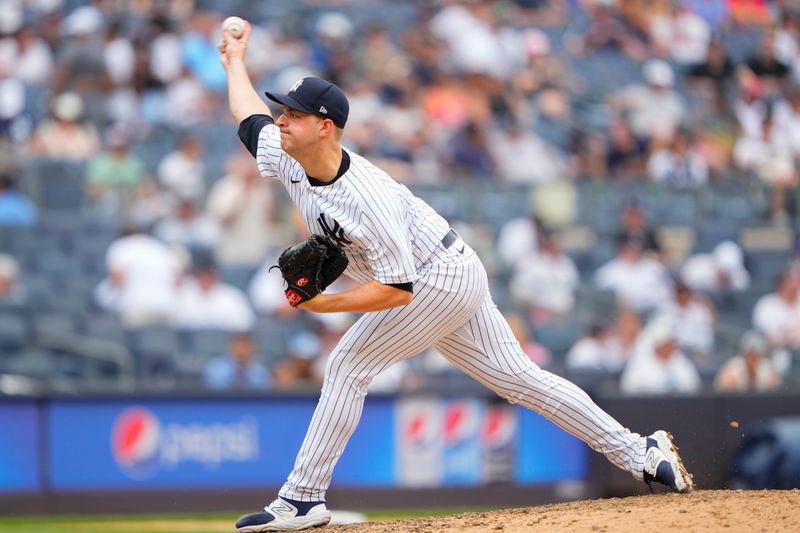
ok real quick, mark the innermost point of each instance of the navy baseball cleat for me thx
(285, 515)
(663, 464)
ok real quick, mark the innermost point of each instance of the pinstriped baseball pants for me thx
(452, 311)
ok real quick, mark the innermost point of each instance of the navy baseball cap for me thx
(318, 97)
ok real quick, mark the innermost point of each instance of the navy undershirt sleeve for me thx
(405, 286)
(250, 128)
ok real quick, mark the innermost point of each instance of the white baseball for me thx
(234, 26)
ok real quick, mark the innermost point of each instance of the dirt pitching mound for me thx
(701, 511)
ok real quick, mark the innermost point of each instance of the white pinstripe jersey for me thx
(386, 231)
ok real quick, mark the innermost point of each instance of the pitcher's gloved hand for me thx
(310, 266)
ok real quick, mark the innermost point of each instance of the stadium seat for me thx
(155, 349)
(33, 363)
(237, 276)
(13, 331)
(49, 323)
(153, 339)
(558, 337)
(104, 325)
(205, 343)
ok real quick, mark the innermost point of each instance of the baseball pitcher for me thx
(419, 285)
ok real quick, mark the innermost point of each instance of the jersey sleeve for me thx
(261, 137)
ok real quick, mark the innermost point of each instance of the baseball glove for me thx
(309, 267)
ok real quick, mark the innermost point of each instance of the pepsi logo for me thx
(499, 427)
(420, 426)
(460, 421)
(135, 441)
(415, 428)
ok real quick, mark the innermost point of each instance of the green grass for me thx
(188, 523)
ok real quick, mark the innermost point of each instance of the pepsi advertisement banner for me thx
(465, 442)
(201, 443)
(19, 447)
(410, 442)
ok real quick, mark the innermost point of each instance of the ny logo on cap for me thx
(297, 85)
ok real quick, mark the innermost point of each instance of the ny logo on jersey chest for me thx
(333, 230)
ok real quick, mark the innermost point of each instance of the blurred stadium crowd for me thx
(627, 169)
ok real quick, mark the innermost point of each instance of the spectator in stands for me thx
(242, 204)
(638, 281)
(203, 301)
(112, 176)
(608, 30)
(655, 109)
(541, 70)
(749, 371)
(607, 347)
(765, 64)
(297, 368)
(693, 318)
(518, 238)
(375, 53)
(149, 205)
(239, 368)
(544, 283)
(717, 71)
(200, 49)
(595, 351)
(680, 33)
(625, 155)
(79, 57)
(716, 273)
(625, 335)
(65, 137)
(659, 366)
(187, 103)
(770, 159)
(678, 164)
(786, 123)
(164, 53)
(777, 315)
(521, 156)
(749, 12)
(536, 352)
(474, 45)
(15, 208)
(469, 155)
(142, 275)
(182, 171)
(12, 290)
(27, 55)
(332, 45)
(188, 228)
(12, 103)
(787, 38)
(121, 64)
(119, 55)
(633, 224)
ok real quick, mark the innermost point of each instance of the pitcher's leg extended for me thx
(486, 349)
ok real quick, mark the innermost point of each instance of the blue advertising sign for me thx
(200, 443)
(547, 453)
(464, 441)
(19, 446)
